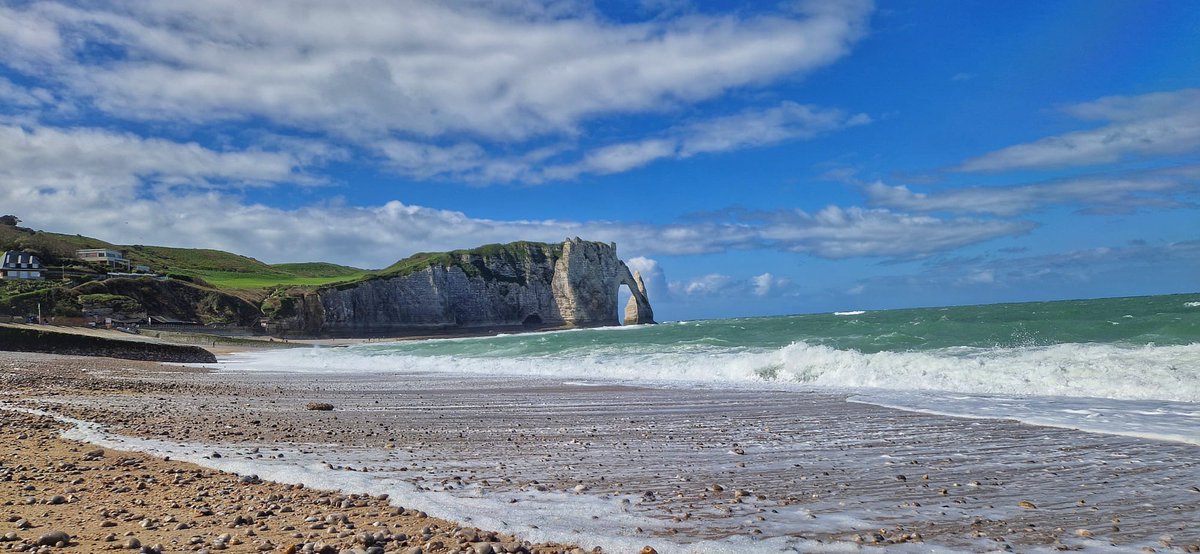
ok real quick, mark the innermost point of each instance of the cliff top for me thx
(222, 269)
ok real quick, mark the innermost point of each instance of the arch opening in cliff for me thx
(532, 320)
(637, 309)
(624, 295)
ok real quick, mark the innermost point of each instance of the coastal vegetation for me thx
(214, 287)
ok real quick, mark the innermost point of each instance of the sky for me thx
(748, 158)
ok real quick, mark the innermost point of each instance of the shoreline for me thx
(107, 342)
(779, 469)
(105, 498)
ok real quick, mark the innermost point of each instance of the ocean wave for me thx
(1073, 369)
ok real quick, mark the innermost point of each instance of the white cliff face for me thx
(526, 284)
(585, 283)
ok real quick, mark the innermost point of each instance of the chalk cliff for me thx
(637, 310)
(573, 284)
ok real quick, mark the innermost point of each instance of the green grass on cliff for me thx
(520, 251)
(235, 280)
(218, 268)
(226, 270)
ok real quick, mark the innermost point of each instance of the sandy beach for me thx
(568, 461)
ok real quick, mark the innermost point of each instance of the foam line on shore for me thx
(1082, 370)
(539, 517)
(1153, 420)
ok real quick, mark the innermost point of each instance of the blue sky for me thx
(749, 158)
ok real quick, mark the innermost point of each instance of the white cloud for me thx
(1158, 188)
(1155, 124)
(1070, 267)
(617, 158)
(652, 276)
(750, 128)
(836, 232)
(13, 95)
(982, 277)
(423, 69)
(766, 284)
(95, 161)
(706, 285)
(155, 191)
(717, 284)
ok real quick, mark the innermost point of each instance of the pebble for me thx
(54, 538)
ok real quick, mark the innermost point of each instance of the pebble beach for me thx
(64, 495)
(552, 466)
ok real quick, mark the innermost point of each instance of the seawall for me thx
(19, 339)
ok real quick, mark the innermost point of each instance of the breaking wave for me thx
(1071, 369)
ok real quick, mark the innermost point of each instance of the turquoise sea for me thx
(619, 437)
(1122, 348)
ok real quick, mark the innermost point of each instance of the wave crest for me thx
(1086, 370)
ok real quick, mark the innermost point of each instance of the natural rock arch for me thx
(637, 310)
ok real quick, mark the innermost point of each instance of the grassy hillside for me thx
(226, 270)
(255, 280)
(517, 251)
(51, 248)
(319, 269)
(218, 268)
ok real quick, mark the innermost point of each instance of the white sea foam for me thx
(544, 516)
(1148, 419)
(855, 312)
(585, 519)
(1105, 388)
(1077, 370)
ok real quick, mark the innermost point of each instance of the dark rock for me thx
(53, 538)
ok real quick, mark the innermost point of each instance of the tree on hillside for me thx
(10, 220)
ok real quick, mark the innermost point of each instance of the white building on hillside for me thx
(21, 265)
(112, 258)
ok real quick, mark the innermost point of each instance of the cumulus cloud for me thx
(717, 284)
(706, 285)
(1154, 124)
(1166, 188)
(750, 128)
(87, 161)
(381, 234)
(137, 190)
(504, 71)
(766, 284)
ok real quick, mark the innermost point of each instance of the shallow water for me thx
(506, 453)
(1069, 416)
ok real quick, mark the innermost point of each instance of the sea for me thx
(1120, 365)
(629, 432)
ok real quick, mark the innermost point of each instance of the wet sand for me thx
(780, 470)
(77, 497)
